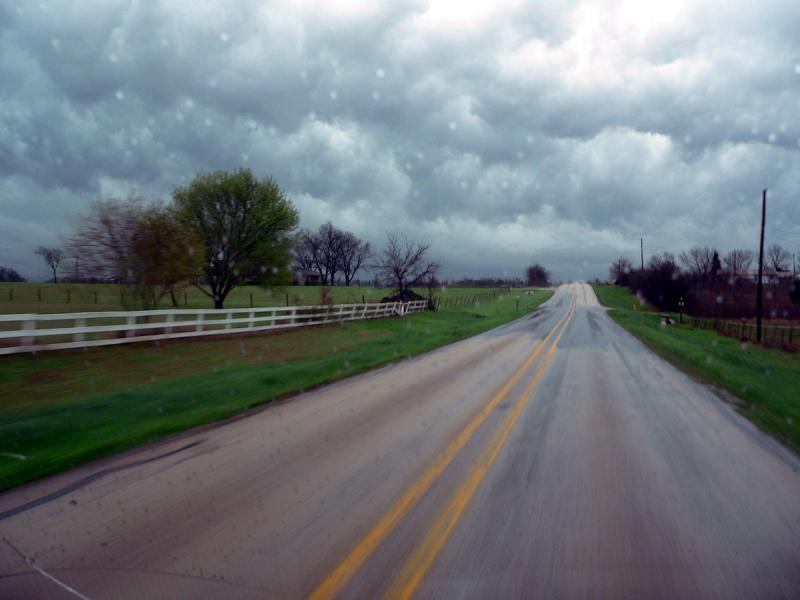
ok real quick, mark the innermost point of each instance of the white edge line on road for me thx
(45, 574)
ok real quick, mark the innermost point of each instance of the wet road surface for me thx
(553, 457)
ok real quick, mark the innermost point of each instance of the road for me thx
(554, 457)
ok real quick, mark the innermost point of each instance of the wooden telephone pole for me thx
(760, 291)
(641, 250)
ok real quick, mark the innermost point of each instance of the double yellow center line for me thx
(414, 570)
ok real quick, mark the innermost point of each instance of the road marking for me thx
(44, 573)
(415, 568)
(337, 579)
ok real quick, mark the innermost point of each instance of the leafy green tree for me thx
(246, 227)
(165, 255)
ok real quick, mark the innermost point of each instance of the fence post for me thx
(170, 319)
(28, 325)
(228, 319)
(200, 318)
(252, 313)
(79, 336)
(131, 323)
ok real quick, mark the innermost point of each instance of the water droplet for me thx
(376, 95)
(772, 137)
(224, 36)
(452, 126)
(333, 94)
(380, 73)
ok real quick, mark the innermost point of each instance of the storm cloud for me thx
(501, 132)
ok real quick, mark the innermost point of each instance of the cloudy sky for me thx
(502, 132)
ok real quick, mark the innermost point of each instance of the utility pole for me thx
(641, 250)
(76, 268)
(760, 292)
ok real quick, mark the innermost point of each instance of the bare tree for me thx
(778, 258)
(306, 250)
(52, 256)
(699, 261)
(329, 254)
(738, 260)
(103, 238)
(620, 270)
(353, 255)
(404, 263)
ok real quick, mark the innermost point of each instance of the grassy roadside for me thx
(766, 381)
(62, 409)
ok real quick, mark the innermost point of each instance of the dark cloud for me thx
(502, 132)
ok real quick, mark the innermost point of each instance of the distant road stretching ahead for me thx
(553, 457)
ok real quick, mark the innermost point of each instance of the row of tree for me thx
(704, 263)
(330, 251)
(224, 229)
(709, 286)
(221, 230)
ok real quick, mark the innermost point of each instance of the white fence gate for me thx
(34, 332)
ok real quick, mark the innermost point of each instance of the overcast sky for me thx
(502, 132)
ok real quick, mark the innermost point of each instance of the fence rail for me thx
(35, 332)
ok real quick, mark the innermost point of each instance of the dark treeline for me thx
(711, 285)
(484, 282)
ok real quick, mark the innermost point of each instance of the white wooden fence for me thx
(34, 332)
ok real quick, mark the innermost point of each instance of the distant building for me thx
(307, 278)
(770, 276)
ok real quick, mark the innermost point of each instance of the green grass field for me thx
(767, 381)
(64, 408)
(84, 297)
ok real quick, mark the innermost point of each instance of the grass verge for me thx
(765, 382)
(65, 408)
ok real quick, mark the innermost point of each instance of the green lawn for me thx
(767, 381)
(64, 408)
(84, 297)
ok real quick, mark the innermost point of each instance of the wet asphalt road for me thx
(554, 457)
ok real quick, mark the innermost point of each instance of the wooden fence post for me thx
(79, 336)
